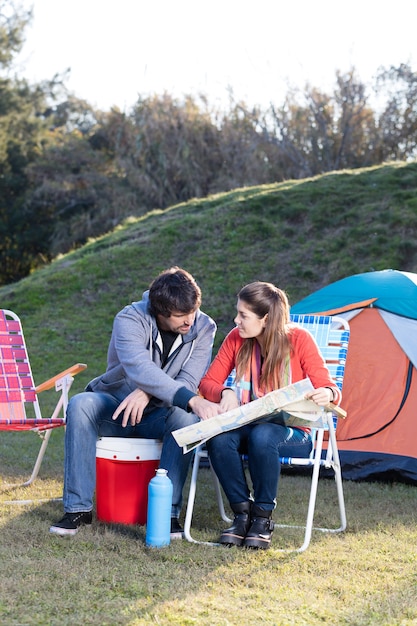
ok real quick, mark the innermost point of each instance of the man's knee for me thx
(78, 404)
(85, 406)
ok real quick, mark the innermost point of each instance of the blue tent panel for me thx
(390, 290)
(378, 466)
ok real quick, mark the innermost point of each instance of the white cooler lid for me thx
(128, 449)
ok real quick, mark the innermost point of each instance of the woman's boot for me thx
(235, 535)
(260, 532)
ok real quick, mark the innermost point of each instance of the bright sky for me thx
(117, 49)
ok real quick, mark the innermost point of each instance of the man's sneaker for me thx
(177, 531)
(71, 522)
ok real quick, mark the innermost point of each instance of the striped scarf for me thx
(247, 388)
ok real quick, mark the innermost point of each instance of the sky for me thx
(119, 49)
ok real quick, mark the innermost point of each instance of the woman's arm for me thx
(212, 384)
(307, 361)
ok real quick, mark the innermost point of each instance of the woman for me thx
(268, 352)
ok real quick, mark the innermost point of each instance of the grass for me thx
(301, 235)
(106, 575)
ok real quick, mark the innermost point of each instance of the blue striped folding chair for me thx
(332, 337)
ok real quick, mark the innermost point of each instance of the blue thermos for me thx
(158, 524)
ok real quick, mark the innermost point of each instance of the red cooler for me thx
(124, 468)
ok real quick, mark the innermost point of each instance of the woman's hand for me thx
(321, 396)
(229, 400)
(133, 406)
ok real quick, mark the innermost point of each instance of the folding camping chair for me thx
(332, 336)
(19, 404)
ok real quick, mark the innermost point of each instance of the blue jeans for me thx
(89, 416)
(263, 443)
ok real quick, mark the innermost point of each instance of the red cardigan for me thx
(306, 361)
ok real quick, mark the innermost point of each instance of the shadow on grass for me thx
(105, 568)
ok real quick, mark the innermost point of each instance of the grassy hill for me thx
(301, 235)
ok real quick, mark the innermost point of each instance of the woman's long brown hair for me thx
(264, 298)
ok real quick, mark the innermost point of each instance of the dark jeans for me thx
(89, 416)
(263, 443)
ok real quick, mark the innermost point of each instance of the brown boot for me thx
(260, 532)
(235, 535)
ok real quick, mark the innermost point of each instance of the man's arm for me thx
(131, 344)
(203, 408)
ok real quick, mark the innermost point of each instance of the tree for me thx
(73, 185)
(398, 119)
(244, 150)
(314, 132)
(173, 150)
(13, 21)
(19, 143)
(28, 124)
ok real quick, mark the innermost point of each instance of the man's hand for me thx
(133, 406)
(204, 408)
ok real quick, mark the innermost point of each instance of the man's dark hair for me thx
(174, 290)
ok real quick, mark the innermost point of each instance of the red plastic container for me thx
(124, 468)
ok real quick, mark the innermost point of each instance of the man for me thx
(159, 350)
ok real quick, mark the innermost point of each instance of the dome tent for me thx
(378, 440)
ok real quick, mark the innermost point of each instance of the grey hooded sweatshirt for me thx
(135, 353)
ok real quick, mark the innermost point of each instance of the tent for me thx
(378, 440)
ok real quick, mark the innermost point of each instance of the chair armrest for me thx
(71, 371)
(336, 409)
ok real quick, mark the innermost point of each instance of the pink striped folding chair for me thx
(19, 404)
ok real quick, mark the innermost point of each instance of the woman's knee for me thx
(227, 442)
(263, 436)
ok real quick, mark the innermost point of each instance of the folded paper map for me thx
(289, 402)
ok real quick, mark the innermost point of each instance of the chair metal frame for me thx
(18, 393)
(332, 336)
